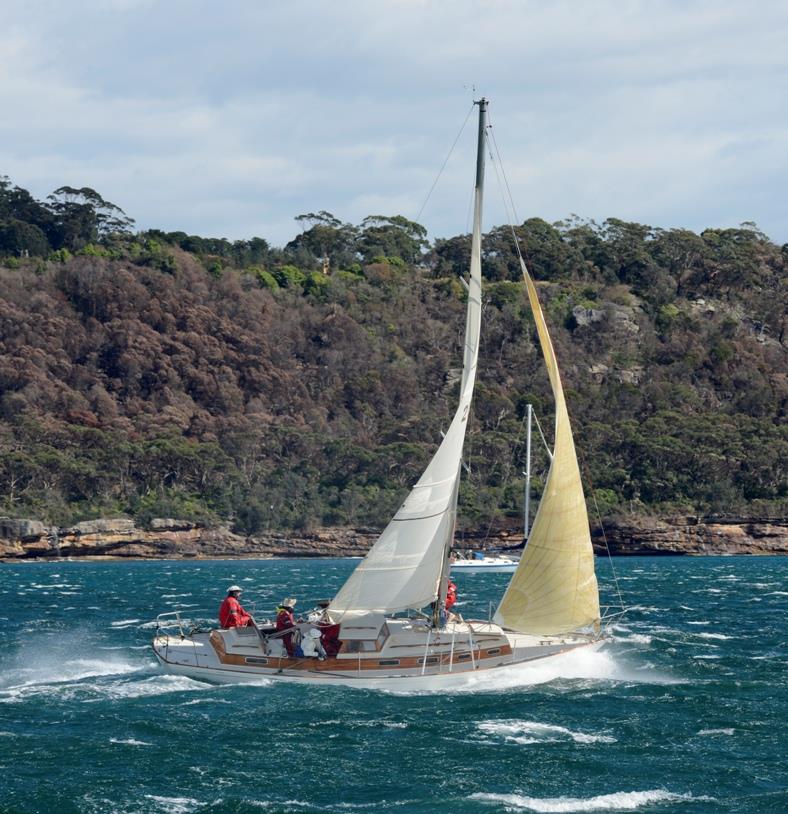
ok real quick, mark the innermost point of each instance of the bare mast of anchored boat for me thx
(476, 243)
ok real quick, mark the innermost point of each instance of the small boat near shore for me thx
(480, 563)
(389, 626)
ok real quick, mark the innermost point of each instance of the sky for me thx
(229, 120)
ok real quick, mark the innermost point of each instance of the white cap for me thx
(234, 588)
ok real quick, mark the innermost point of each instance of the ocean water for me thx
(685, 711)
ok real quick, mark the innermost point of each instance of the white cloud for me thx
(231, 121)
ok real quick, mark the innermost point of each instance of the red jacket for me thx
(284, 619)
(451, 595)
(231, 614)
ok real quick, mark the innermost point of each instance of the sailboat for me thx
(388, 621)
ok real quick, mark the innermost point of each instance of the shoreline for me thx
(109, 539)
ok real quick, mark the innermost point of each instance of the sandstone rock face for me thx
(692, 535)
(117, 525)
(22, 530)
(168, 524)
(175, 539)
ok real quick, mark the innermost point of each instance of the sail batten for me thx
(554, 589)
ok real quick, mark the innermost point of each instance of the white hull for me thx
(487, 565)
(459, 655)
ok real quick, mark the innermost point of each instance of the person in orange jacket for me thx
(285, 619)
(231, 614)
(451, 595)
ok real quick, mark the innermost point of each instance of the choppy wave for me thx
(618, 801)
(50, 673)
(174, 805)
(527, 732)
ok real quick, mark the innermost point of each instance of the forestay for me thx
(403, 568)
(554, 589)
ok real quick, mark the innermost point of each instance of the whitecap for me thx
(618, 801)
(125, 622)
(47, 674)
(719, 636)
(526, 732)
(726, 731)
(174, 805)
(156, 685)
(698, 623)
(129, 742)
(635, 638)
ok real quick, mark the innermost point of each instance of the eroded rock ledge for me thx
(167, 538)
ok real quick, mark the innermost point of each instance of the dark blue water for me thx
(685, 712)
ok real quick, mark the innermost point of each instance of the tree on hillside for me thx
(326, 237)
(82, 216)
(395, 236)
(25, 224)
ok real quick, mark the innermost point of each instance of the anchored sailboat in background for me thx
(388, 621)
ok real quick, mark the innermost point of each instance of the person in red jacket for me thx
(231, 614)
(285, 619)
(451, 596)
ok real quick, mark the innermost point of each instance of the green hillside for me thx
(169, 375)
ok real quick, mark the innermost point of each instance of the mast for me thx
(407, 566)
(476, 243)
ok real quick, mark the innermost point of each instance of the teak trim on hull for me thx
(359, 663)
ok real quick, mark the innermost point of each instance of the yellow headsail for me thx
(554, 589)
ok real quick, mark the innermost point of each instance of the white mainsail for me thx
(554, 589)
(403, 568)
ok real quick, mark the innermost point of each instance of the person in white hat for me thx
(231, 614)
(285, 620)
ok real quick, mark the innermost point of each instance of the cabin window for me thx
(463, 657)
(382, 636)
(388, 663)
(493, 651)
(255, 660)
(428, 660)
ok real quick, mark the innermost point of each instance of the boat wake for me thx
(61, 669)
(583, 665)
(618, 801)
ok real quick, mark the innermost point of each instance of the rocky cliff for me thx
(179, 539)
(693, 535)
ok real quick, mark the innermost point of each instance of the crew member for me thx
(451, 596)
(285, 620)
(231, 614)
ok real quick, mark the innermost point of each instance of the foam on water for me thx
(54, 672)
(618, 801)
(153, 686)
(635, 638)
(129, 742)
(726, 731)
(585, 664)
(174, 805)
(526, 732)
